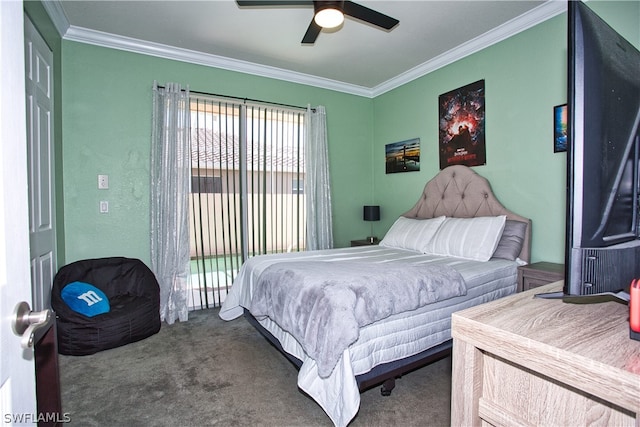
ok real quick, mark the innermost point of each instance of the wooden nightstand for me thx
(538, 274)
(364, 242)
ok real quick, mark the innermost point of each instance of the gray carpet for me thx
(210, 372)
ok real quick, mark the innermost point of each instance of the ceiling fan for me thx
(328, 14)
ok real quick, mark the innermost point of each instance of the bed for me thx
(353, 318)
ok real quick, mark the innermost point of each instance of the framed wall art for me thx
(403, 156)
(560, 128)
(461, 126)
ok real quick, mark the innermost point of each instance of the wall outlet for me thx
(104, 206)
(103, 182)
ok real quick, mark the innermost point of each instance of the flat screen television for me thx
(603, 153)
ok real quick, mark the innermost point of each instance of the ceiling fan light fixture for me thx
(329, 18)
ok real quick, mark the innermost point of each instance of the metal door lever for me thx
(25, 322)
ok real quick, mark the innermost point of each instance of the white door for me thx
(42, 232)
(17, 373)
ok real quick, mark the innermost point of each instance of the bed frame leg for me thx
(387, 387)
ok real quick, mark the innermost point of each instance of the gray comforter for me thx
(323, 304)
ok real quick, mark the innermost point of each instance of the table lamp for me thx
(371, 213)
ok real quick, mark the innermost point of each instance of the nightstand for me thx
(364, 242)
(538, 274)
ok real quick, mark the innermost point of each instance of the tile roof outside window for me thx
(214, 150)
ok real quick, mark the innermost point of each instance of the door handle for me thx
(25, 322)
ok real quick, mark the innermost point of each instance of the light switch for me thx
(104, 206)
(103, 182)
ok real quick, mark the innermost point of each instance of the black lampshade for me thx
(371, 213)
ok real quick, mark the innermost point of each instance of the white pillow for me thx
(469, 238)
(411, 234)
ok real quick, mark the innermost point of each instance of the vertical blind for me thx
(247, 189)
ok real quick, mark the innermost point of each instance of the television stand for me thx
(621, 297)
(550, 295)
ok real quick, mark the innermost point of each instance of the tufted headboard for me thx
(457, 191)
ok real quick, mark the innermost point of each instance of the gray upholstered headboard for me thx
(457, 191)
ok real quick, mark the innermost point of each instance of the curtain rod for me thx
(244, 99)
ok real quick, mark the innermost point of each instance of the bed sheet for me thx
(394, 338)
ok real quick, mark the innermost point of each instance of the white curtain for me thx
(170, 163)
(317, 184)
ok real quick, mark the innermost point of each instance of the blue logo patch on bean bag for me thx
(85, 299)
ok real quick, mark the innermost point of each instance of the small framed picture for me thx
(560, 128)
(403, 156)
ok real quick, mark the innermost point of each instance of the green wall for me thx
(106, 128)
(525, 77)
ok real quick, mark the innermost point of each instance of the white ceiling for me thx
(356, 58)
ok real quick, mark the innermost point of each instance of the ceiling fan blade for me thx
(266, 3)
(369, 15)
(312, 33)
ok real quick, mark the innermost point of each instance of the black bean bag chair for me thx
(133, 304)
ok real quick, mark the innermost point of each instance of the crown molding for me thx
(56, 14)
(540, 14)
(523, 22)
(98, 38)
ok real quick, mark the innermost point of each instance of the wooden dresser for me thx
(525, 361)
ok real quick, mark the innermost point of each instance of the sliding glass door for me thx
(247, 189)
